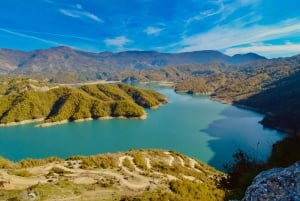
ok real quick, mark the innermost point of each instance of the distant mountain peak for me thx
(61, 49)
(240, 58)
(66, 59)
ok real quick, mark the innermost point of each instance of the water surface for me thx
(193, 125)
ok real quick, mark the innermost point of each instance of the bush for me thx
(240, 174)
(5, 164)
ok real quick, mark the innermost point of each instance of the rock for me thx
(278, 184)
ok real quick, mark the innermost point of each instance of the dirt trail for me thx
(181, 161)
(123, 180)
(148, 163)
(138, 180)
(171, 158)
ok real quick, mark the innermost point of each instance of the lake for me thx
(192, 125)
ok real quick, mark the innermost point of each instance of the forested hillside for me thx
(26, 99)
(280, 101)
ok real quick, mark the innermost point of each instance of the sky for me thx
(270, 28)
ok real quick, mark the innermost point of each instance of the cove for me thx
(192, 125)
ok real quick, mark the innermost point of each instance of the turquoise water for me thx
(193, 125)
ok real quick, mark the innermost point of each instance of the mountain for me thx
(280, 102)
(240, 58)
(65, 59)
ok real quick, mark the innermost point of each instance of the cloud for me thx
(207, 13)
(20, 31)
(118, 42)
(69, 13)
(223, 37)
(30, 37)
(267, 50)
(79, 12)
(152, 30)
(223, 9)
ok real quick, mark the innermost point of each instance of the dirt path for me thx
(181, 161)
(125, 178)
(171, 158)
(138, 180)
(148, 163)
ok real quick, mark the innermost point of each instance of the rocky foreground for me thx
(278, 184)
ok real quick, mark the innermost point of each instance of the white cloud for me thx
(69, 13)
(208, 13)
(118, 42)
(152, 30)
(30, 37)
(270, 51)
(52, 34)
(223, 9)
(79, 12)
(93, 17)
(223, 37)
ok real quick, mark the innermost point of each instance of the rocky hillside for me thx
(26, 100)
(135, 175)
(276, 184)
(65, 59)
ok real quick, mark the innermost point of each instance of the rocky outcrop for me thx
(278, 184)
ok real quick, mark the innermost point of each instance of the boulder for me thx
(278, 184)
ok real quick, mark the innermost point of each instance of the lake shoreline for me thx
(21, 122)
(258, 110)
(171, 127)
(47, 124)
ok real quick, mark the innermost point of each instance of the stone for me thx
(277, 184)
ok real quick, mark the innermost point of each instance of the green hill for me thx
(26, 99)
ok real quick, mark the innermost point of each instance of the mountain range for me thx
(66, 59)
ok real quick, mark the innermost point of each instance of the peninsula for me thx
(27, 100)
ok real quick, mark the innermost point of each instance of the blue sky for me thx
(267, 27)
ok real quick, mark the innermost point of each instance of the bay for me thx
(192, 125)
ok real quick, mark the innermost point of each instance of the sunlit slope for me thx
(27, 99)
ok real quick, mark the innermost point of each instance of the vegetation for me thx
(189, 190)
(240, 174)
(285, 152)
(27, 163)
(280, 101)
(5, 164)
(103, 177)
(25, 99)
(21, 173)
(139, 159)
(244, 168)
(252, 84)
(98, 161)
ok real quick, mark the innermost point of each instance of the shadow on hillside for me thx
(281, 98)
(238, 129)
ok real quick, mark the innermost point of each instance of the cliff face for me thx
(278, 184)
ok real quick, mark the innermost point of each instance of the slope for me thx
(25, 99)
(134, 175)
